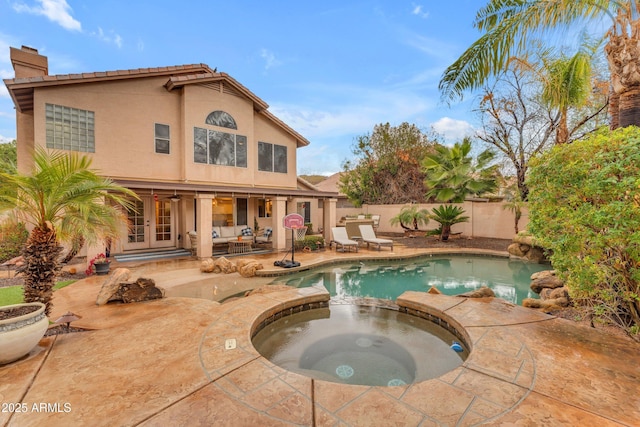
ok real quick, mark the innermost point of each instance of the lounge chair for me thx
(340, 238)
(369, 237)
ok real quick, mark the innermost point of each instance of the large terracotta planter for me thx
(18, 335)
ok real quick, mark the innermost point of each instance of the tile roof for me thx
(21, 89)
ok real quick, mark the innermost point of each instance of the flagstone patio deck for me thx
(164, 363)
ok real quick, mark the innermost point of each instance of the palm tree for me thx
(446, 216)
(510, 26)
(411, 215)
(451, 173)
(61, 197)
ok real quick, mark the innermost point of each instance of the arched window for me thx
(222, 119)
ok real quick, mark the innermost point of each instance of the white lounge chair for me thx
(369, 237)
(340, 238)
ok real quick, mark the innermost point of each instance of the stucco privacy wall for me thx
(485, 219)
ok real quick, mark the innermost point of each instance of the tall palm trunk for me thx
(76, 244)
(41, 265)
(562, 131)
(614, 110)
(623, 51)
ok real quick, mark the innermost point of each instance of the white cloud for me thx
(269, 58)
(417, 10)
(453, 130)
(5, 139)
(112, 37)
(57, 11)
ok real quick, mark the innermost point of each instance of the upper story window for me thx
(272, 157)
(163, 142)
(221, 119)
(219, 148)
(69, 128)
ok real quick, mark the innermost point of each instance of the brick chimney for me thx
(28, 63)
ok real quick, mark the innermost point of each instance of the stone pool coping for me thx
(163, 363)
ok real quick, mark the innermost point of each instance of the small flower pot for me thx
(20, 334)
(102, 268)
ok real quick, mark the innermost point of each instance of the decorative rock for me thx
(546, 305)
(515, 249)
(524, 239)
(548, 293)
(207, 265)
(111, 285)
(141, 290)
(541, 281)
(543, 273)
(483, 292)
(249, 270)
(223, 265)
(535, 254)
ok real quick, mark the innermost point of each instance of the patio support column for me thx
(329, 218)
(279, 210)
(204, 212)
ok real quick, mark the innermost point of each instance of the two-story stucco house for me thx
(199, 148)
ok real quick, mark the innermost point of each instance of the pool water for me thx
(451, 275)
(364, 345)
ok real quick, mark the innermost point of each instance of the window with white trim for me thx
(69, 128)
(162, 138)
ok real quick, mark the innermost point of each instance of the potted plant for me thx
(21, 328)
(99, 264)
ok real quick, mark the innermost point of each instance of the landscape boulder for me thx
(545, 279)
(524, 247)
(140, 290)
(207, 265)
(248, 267)
(111, 285)
(482, 292)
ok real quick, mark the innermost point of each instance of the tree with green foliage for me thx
(585, 209)
(519, 124)
(446, 216)
(61, 197)
(451, 174)
(8, 156)
(387, 166)
(510, 27)
(411, 215)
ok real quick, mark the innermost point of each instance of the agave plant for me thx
(446, 216)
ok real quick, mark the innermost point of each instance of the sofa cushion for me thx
(214, 234)
(228, 232)
(246, 232)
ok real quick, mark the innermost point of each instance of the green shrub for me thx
(585, 207)
(12, 238)
(312, 242)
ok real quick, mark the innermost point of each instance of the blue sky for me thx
(331, 70)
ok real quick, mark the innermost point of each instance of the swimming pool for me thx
(451, 274)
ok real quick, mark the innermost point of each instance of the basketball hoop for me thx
(295, 223)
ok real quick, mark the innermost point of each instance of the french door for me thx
(151, 225)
